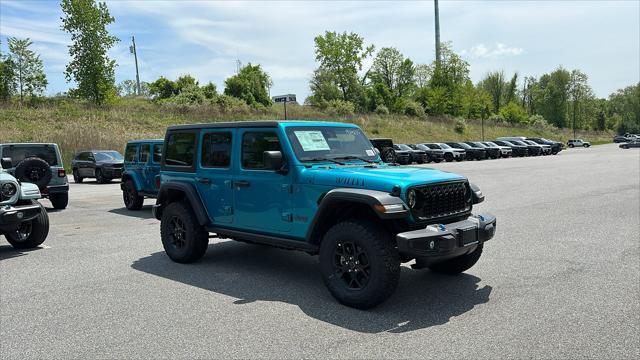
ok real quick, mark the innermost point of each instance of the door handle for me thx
(242, 183)
(203, 180)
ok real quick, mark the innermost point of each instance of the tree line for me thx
(393, 83)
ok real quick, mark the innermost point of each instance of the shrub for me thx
(382, 110)
(497, 118)
(191, 95)
(412, 108)
(340, 107)
(538, 121)
(514, 113)
(230, 104)
(461, 126)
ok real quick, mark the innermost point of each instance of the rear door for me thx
(262, 197)
(131, 159)
(153, 167)
(144, 158)
(215, 174)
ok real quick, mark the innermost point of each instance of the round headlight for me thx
(412, 199)
(8, 190)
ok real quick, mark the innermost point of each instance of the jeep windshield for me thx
(330, 143)
(17, 153)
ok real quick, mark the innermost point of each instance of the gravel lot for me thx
(561, 279)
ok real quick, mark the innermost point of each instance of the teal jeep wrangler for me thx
(321, 188)
(23, 220)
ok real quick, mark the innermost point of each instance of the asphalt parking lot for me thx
(561, 279)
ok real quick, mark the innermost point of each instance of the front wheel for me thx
(31, 233)
(59, 201)
(76, 176)
(183, 239)
(359, 263)
(132, 200)
(458, 264)
(100, 179)
(586, 145)
(448, 157)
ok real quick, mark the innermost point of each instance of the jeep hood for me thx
(382, 178)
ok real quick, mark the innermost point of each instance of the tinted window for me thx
(83, 156)
(216, 150)
(254, 144)
(107, 156)
(144, 152)
(404, 147)
(157, 153)
(180, 149)
(21, 152)
(130, 153)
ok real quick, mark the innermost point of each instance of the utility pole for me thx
(285, 107)
(437, 14)
(135, 56)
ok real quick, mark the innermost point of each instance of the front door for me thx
(262, 197)
(147, 176)
(215, 174)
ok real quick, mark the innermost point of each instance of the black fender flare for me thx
(377, 200)
(172, 191)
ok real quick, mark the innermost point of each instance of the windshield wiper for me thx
(353, 157)
(326, 159)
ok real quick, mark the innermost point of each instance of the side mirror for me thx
(273, 160)
(6, 163)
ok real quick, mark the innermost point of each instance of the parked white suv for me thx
(577, 143)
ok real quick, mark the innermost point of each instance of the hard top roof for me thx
(144, 141)
(257, 124)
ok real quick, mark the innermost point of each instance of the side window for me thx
(180, 149)
(144, 153)
(216, 150)
(254, 144)
(130, 153)
(157, 153)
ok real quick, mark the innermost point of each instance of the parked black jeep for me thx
(103, 165)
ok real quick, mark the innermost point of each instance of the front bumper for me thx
(112, 173)
(440, 241)
(12, 216)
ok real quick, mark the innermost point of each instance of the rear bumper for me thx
(12, 216)
(55, 189)
(437, 242)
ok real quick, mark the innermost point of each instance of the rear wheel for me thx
(132, 200)
(586, 145)
(458, 264)
(389, 155)
(359, 263)
(76, 176)
(570, 145)
(59, 201)
(183, 239)
(31, 233)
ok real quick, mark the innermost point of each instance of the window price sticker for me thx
(312, 140)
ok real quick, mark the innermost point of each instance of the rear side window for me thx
(180, 149)
(130, 153)
(254, 144)
(157, 153)
(21, 152)
(144, 153)
(216, 150)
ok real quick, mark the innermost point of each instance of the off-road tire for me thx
(380, 251)
(132, 200)
(458, 264)
(37, 234)
(59, 201)
(448, 157)
(389, 155)
(76, 176)
(192, 244)
(28, 169)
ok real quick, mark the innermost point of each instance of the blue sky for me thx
(204, 38)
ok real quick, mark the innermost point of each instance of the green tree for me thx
(251, 84)
(394, 71)
(6, 77)
(163, 88)
(449, 78)
(341, 55)
(29, 78)
(210, 91)
(624, 107)
(581, 107)
(551, 97)
(185, 82)
(493, 84)
(90, 67)
(127, 88)
(514, 113)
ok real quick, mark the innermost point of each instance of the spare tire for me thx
(389, 155)
(34, 170)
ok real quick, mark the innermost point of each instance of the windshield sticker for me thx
(312, 140)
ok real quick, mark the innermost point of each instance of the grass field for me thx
(76, 126)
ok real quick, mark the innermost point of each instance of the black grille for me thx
(440, 201)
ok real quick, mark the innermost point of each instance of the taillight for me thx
(157, 181)
(61, 173)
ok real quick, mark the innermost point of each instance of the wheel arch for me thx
(130, 175)
(170, 192)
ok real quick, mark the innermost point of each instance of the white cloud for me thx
(498, 51)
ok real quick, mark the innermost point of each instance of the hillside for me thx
(75, 126)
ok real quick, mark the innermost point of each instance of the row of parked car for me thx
(469, 150)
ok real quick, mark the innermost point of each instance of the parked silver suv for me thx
(23, 220)
(40, 164)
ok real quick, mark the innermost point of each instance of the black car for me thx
(492, 152)
(103, 165)
(473, 152)
(415, 155)
(534, 150)
(631, 144)
(388, 153)
(516, 150)
(433, 154)
(556, 146)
